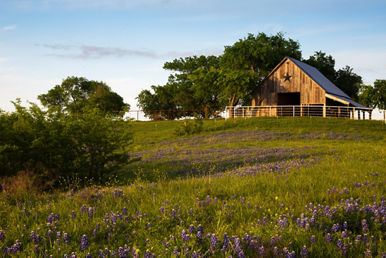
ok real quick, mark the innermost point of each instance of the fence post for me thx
(293, 110)
(324, 110)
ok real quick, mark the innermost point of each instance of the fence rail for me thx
(249, 111)
(308, 111)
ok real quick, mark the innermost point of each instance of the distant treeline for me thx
(209, 83)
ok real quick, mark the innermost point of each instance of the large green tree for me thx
(374, 96)
(190, 90)
(249, 60)
(75, 94)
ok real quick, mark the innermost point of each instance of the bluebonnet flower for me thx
(124, 211)
(225, 243)
(199, 235)
(185, 237)
(304, 252)
(238, 247)
(365, 226)
(213, 242)
(15, 247)
(58, 234)
(73, 214)
(34, 238)
(276, 251)
(339, 243)
(2, 235)
(191, 228)
(66, 238)
(88, 255)
(335, 227)
(313, 239)
(328, 237)
(83, 242)
(173, 213)
(261, 250)
(83, 208)
(368, 253)
(90, 211)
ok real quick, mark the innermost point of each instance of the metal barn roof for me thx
(323, 82)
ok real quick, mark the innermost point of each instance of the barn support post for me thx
(359, 115)
(370, 113)
(324, 110)
(293, 110)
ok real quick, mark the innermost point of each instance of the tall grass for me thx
(334, 171)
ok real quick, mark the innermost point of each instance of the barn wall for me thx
(310, 92)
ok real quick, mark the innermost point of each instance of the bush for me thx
(53, 144)
(189, 127)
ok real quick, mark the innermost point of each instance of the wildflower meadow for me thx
(264, 187)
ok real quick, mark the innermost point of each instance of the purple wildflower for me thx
(90, 211)
(83, 242)
(339, 243)
(2, 235)
(213, 242)
(313, 239)
(365, 226)
(238, 247)
(73, 214)
(191, 229)
(328, 237)
(261, 250)
(225, 243)
(173, 213)
(66, 238)
(276, 251)
(304, 252)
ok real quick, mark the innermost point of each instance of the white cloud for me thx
(9, 27)
(368, 63)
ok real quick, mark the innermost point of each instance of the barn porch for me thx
(347, 112)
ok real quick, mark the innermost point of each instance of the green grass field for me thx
(285, 187)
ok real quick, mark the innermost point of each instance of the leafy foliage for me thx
(189, 127)
(54, 144)
(374, 96)
(76, 94)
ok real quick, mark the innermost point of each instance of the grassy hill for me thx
(242, 187)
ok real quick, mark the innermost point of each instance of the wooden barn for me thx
(301, 86)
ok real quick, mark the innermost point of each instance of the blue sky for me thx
(125, 42)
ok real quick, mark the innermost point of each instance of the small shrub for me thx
(189, 127)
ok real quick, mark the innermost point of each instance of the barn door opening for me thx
(291, 98)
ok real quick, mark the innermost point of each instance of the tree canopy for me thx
(205, 85)
(75, 94)
(344, 78)
(374, 96)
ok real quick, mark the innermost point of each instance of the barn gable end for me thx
(293, 82)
